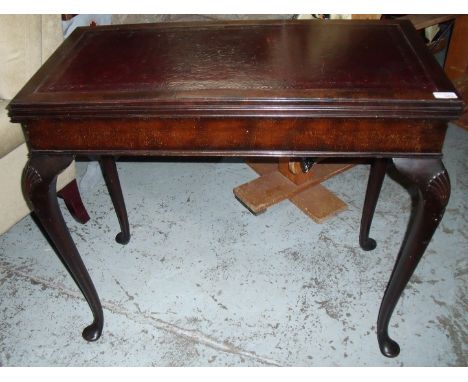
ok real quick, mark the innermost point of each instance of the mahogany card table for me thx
(300, 89)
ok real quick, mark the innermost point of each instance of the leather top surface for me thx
(303, 68)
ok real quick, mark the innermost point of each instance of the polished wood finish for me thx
(332, 68)
(374, 185)
(39, 185)
(111, 177)
(72, 198)
(431, 181)
(239, 136)
(273, 88)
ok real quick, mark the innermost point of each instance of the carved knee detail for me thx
(31, 178)
(438, 188)
(41, 171)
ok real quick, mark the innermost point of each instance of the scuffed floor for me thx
(205, 283)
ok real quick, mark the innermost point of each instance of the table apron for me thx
(238, 136)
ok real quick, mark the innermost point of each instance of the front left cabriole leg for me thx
(39, 185)
(432, 183)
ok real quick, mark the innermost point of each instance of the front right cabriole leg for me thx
(431, 180)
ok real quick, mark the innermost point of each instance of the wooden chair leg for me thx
(111, 176)
(376, 177)
(72, 198)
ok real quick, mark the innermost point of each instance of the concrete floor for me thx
(205, 283)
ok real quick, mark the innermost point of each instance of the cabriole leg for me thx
(432, 184)
(374, 185)
(111, 176)
(39, 185)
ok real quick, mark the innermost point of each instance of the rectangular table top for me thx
(263, 69)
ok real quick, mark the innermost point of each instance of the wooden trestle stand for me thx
(284, 179)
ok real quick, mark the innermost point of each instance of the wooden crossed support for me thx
(284, 179)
